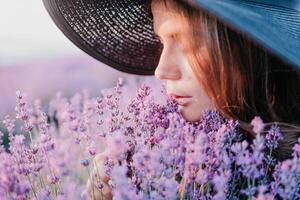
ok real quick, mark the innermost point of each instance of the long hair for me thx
(241, 77)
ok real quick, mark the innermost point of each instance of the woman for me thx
(211, 54)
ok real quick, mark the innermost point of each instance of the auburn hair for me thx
(241, 77)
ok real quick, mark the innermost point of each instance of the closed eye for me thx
(172, 36)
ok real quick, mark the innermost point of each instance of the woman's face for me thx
(174, 67)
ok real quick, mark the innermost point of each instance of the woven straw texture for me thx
(120, 34)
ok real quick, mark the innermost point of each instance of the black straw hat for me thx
(119, 33)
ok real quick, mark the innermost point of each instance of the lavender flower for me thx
(258, 124)
(10, 184)
(53, 179)
(9, 124)
(24, 112)
(153, 152)
(287, 177)
(263, 195)
(273, 137)
(85, 163)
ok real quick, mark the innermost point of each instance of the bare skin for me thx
(174, 67)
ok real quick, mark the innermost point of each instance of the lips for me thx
(182, 100)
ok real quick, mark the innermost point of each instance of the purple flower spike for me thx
(24, 112)
(9, 124)
(53, 179)
(24, 188)
(92, 149)
(273, 137)
(85, 163)
(151, 151)
(297, 148)
(44, 194)
(258, 124)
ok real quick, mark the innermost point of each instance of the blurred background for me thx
(36, 58)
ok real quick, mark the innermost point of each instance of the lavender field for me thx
(73, 128)
(150, 151)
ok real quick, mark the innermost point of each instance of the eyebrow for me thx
(176, 34)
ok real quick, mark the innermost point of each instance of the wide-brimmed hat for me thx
(120, 34)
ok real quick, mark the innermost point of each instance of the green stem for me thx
(233, 180)
(194, 188)
(30, 136)
(267, 168)
(32, 187)
(91, 183)
(98, 175)
(52, 174)
(249, 186)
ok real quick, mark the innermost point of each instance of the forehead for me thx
(166, 18)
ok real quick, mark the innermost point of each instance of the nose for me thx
(168, 66)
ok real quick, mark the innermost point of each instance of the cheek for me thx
(201, 97)
(204, 102)
(198, 59)
(200, 102)
(196, 75)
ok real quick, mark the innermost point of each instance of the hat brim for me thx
(119, 33)
(275, 25)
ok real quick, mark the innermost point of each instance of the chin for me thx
(190, 114)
